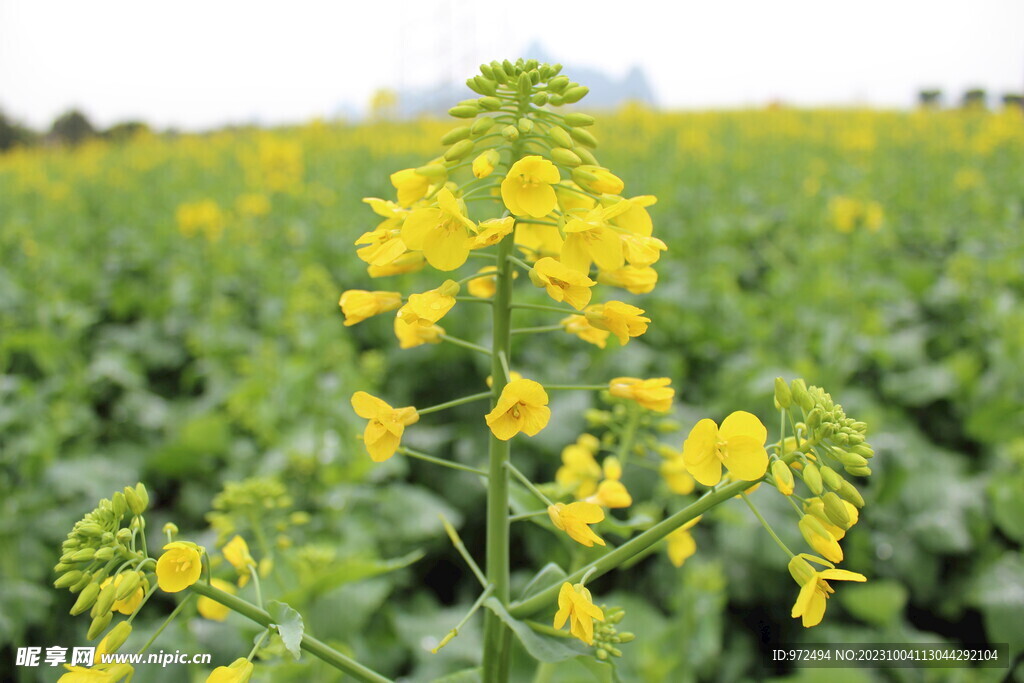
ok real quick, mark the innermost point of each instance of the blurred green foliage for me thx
(168, 314)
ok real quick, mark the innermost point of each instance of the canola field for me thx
(169, 314)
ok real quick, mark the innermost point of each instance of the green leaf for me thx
(348, 570)
(289, 626)
(603, 672)
(875, 602)
(540, 647)
(474, 675)
(1008, 506)
(548, 574)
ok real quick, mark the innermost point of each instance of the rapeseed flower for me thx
(239, 671)
(738, 445)
(574, 519)
(579, 472)
(386, 424)
(611, 493)
(597, 179)
(411, 335)
(681, 545)
(814, 588)
(562, 283)
(429, 307)
(590, 239)
(526, 189)
(441, 232)
(491, 232)
(576, 606)
(211, 609)
(581, 327)
(522, 407)
(179, 566)
(411, 186)
(652, 394)
(634, 279)
(484, 164)
(622, 320)
(358, 304)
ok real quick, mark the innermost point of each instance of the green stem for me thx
(256, 584)
(541, 307)
(474, 276)
(628, 435)
(472, 610)
(528, 515)
(454, 402)
(463, 343)
(637, 544)
(438, 461)
(456, 540)
(528, 484)
(309, 643)
(167, 621)
(766, 526)
(540, 328)
(259, 643)
(522, 264)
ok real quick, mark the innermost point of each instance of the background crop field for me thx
(168, 313)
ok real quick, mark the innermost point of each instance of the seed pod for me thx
(455, 134)
(85, 599)
(831, 478)
(583, 136)
(835, 510)
(99, 625)
(561, 137)
(565, 157)
(783, 396)
(812, 478)
(558, 84)
(464, 111)
(576, 118)
(459, 150)
(575, 94)
(849, 492)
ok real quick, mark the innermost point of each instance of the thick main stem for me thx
(496, 634)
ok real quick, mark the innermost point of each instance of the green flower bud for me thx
(104, 554)
(586, 155)
(545, 71)
(565, 157)
(534, 77)
(556, 100)
(85, 599)
(432, 171)
(859, 471)
(575, 94)
(484, 86)
(83, 555)
(801, 570)
(783, 477)
(524, 85)
(525, 126)
(134, 500)
(509, 67)
(119, 504)
(850, 459)
(531, 64)
(459, 150)
(812, 477)
(101, 574)
(123, 536)
(561, 137)
(849, 492)
(99, 625)
(89, 529)
(832, 479)
(510, 133)
(68, 579)
(454, 135)
(489, 103)
(864, 450)
(82, 583)
(118, 635)
(481, 126)
(800, 395)
(602, 654)
(105, 600)
(583, 136)
(464, 111)
(626, 637)
(497, 73)
(555, 68)
(558, 84)
(576, 118)
(835, 510)
(540, 99)
(485, 69)
(129, 582)
(783, 396)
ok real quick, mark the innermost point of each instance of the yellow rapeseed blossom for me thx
(441, 232)
(640, 250)
(572, 198)
(597, 179)
(128, 604)
(536, 241)
(574, 518)
(526, 189)
(236, 552)
(621, 319)
(484, 164)
(408, 262)
(814, 588)
(652, 394)
(411, 335)
(679, 480)
(101, 673)
(522, 407)
(204, 217)
(816, 506)
(681, 545)
(484, 287)
(211, 609)
(738, 445)
(611, 493)
(358, 304)
(491, 232)
(386, 424)
(819, 538)
(179, 566)
(636, 219)
(576, 606)
(634, 279)
(590, 239)
(581, 327)
(562, 283)
(579, 472)
(411, 186)
(239, 671)
(429, 307)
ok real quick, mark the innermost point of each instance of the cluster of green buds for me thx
(104, 562)
(257, 498)
(606, 635)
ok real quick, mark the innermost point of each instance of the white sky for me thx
(194, 63)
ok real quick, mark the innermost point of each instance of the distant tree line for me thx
(972, 98)
(70, 128)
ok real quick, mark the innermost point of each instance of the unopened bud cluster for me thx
(606, 635)
(100, 563)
